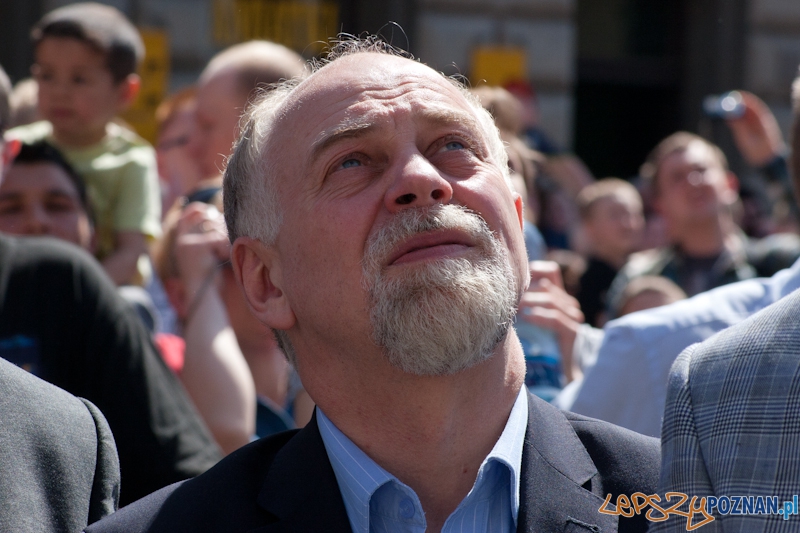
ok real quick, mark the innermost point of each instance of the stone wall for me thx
(773, 53)
(448, 30)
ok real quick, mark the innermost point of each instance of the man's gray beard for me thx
(443, 316)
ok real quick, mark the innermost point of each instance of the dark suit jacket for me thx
(286, 483)
(58, 463)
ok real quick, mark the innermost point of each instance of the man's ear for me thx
(257, 270)
(127, 90)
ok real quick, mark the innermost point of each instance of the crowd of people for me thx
(353, 294)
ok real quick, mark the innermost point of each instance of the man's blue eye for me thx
(350, 163)
(454, 145)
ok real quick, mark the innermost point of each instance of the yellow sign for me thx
(304, 26)
(497, 65)
(154, 71)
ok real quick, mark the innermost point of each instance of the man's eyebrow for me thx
(349, 129)
(451, 116)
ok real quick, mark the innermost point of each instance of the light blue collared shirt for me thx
(376, 501)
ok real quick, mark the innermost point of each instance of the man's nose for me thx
(57, 89)
(37, 222)
(417, 183)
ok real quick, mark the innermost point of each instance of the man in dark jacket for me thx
(375, 229)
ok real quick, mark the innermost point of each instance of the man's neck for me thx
(611, 257)
(432, 433)
(269, 368)
(703, 238)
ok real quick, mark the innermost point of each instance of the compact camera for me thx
(726, 106)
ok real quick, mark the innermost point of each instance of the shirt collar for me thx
(508, 448)
(359, 476)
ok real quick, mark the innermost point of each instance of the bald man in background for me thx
(229, 81)
(226, 86)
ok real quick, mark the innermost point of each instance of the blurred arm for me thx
(546, 304)
(215, 372)
(757, 134)
(120, 265)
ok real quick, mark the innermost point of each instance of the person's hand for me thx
(201, 244)
(757, 134)
(546, 304)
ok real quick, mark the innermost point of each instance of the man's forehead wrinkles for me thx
(399, 86)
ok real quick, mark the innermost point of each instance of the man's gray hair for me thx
(252, 206)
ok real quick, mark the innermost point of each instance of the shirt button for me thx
(406, 508)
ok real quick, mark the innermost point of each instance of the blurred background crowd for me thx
(648, 140)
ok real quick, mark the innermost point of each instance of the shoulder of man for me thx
(80, 472)
(571, 464)
(717, 393)
(225, 498)
(626, 461)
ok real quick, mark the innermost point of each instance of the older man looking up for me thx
(375, 230)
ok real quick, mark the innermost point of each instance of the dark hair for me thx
(5, 92)
(102, 27)
(42, 152)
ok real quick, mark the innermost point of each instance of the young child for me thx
(86, 59)
(613, 223)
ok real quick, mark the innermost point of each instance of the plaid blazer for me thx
(732, 419)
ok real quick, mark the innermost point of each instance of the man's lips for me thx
(431, 245)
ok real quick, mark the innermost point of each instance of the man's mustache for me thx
(414, 221)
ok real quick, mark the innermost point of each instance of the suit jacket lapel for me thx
(301, 490)
(555, 469)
